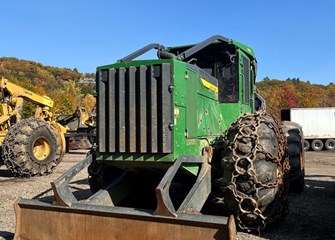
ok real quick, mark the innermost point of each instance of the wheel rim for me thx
(317, 145)
(41, 149)
(330, 144)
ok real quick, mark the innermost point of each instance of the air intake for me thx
(135, 109)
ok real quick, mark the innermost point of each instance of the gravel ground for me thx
(311, 216)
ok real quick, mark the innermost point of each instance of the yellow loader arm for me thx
(19, 92)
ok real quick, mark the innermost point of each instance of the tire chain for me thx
(247, 126)
(10, 154)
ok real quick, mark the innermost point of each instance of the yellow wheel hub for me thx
(41, 149)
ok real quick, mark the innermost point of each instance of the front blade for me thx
(39, 220)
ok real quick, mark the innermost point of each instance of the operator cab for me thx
(219, 60)
(231, 63)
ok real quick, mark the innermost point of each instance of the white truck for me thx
(318, 125)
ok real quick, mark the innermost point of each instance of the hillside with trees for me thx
(295, 93)
(63, 86)
(60, 84)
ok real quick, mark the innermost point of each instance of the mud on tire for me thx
(31, 148)
(255, 166)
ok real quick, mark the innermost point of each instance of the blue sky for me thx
(291, 38)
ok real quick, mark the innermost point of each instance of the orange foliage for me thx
(294, 93)
(60, 84)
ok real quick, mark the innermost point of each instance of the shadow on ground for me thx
(6, 173)
(311, 213)
(6, 235)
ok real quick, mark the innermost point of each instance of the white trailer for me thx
(318, 125)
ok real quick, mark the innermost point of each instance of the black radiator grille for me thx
(135, 109)
(246, 77)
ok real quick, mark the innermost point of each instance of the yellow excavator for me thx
(31, 146)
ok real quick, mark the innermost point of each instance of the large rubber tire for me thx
(31, 148)
(330, 144)
(307, 145)
(295, 141)
(317, 145)
(255, 165)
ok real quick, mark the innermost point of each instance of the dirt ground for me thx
(311, 216)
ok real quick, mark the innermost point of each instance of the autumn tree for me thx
(295, 93)
(89, 102)
(60, 84)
